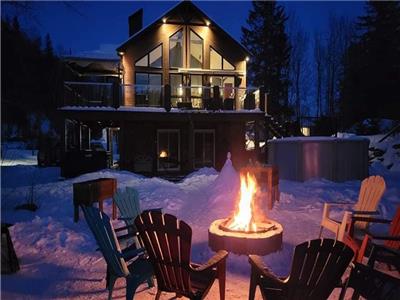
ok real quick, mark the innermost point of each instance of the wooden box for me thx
(98, 190)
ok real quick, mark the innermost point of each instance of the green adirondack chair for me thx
(136, 272)
(129, 207)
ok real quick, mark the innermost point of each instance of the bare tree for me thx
(299, 79)
(339, 36)
(319, 65)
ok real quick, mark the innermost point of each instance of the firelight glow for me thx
(243, 217)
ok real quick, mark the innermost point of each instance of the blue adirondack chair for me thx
(129, 207)
(136, 272)
(128, 204)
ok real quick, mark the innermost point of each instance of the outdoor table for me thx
(91, 191)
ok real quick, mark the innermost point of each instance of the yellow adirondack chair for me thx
(371, 191)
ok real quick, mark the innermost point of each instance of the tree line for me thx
(31, 80)
(344, 75)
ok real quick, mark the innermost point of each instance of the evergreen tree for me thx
(48, 50)
(266, 39)
(370, 87)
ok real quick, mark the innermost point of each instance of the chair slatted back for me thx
(128, 204)
(316, 269)
(371, 191)
(168, 244)
(394, 230)
(103, 231)
(373, 284)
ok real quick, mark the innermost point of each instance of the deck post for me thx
(116, 95)
(167, 97)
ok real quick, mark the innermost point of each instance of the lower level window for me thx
(204, 148)
(168, 149)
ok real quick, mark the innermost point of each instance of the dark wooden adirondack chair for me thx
(316, 270)
(168, 242)
(135, 273)
(371, 284)
(376, 245)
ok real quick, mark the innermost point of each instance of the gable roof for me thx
(184, 12)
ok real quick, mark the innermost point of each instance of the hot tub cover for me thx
(336, 159)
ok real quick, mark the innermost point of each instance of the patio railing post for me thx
(116, 95)
(167, 97)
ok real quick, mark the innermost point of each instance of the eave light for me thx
(164, 20)
(208, 23)
(121, 53)
(247, 58)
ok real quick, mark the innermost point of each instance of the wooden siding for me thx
(160, 34)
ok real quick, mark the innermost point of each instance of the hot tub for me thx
(336, 159)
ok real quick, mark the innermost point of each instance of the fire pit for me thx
(247, 231)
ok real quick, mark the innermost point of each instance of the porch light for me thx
(163, 154)
(121, 53)
(247, 58)
(208, 23)
(164, 20)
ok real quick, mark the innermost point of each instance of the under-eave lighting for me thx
(121, 53)
(247, 58)
(208, 23)
(164, 20)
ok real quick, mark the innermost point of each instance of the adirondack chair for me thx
(129, 207)
(378, 243)
(371, 284)
(316, 269)
(168, 242)
(371, 191)
(135, 273)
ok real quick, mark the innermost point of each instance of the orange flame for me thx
(243, 219)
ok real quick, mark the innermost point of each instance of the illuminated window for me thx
(168, 149)
(148, 89)
(217, 62)
(153, 59)
(196, 50)
(175, 80)
(176, 50)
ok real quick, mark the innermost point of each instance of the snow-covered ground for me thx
(59, 259)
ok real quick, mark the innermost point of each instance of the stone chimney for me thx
(135, 22)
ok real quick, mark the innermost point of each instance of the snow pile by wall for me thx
(382, 154)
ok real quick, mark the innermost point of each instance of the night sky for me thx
(99, 27)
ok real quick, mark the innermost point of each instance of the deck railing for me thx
(184, 97)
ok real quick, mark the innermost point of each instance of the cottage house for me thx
(175, 101)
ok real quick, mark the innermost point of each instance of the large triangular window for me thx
(196, 50)
(153, 59)
(217, 62)
(176, 50)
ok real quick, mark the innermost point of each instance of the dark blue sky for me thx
(96, 27)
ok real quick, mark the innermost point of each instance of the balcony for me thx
(90, 94)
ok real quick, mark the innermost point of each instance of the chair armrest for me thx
(129, 254)
(125, 228)
(365, 212)
(339, 203)
(371, 220)
(386, 238)
(158, 209)
(258, 265)
(220, 256)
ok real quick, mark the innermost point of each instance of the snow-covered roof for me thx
(157, 110)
